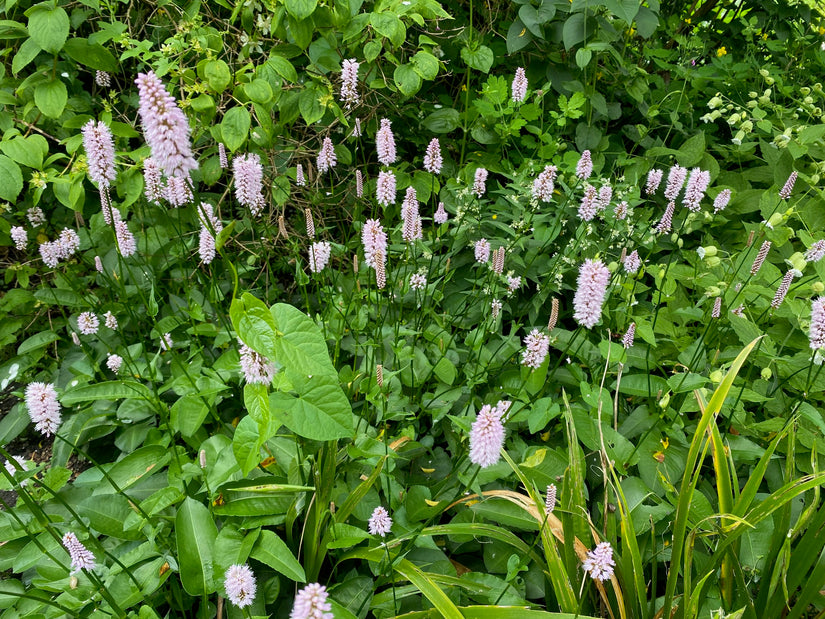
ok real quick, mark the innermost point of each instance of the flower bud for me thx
(680, 242)
(613, 266)
(713, 261)
(817, 287)
(766, 373)
(769, 81)
(710, 250)
(716, 376)
(715, 102)
(817, 87)
(764, 72)
(713, 291)
(797, 261)
(753, 94)
(808, 100)
(775, 220)
(805, 91)
(663, 403)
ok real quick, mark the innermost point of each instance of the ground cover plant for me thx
(352, 309)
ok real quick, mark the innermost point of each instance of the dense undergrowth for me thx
(401, 308)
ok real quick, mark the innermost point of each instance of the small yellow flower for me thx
(764, 36)
(464, 88)
(721, 52)
(821, 30)
(495, 216)
(687, 20)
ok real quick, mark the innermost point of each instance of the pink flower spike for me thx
(249, 174)
(385, 143)
(787, 188)
(629, 336)
(482, 251)
(81, 557)
(256, 368)
(817, 328)
(544, 185)
(311, 603)
(380, 522)
(19, 236)
(479, 182)
(487, 435)
(349, 82)
(385, 188)
(440, 215)
(319, 254)
(584, 168)
(675, 181)
(599, 562)
(374, 240)
(100, 152)
(654, 179)
(536, 348)
(432, 157)
(43, 407)
(326, 157)
(239, 582)
(518, 88)
(593, 280)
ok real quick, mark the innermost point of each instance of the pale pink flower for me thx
(88, 323)
(716, 312)
(418, 281)
(784, 287)
(100, 152)
(43, 407)
(356, 131)
(300, 179)
(21, 466)
(385, 143)
(760, 257)
(482, 251)
(311, 603)
(256, 368)
(19, 236)
(590, 292)
(605, 196)
(479, 182)
(495, 308)
(590, 203)
(207, 249)
(249, 174)
(239, 582)
(113, 362)
(359, 185)
(817, 328)
(787, 188)
(666, 222)
(152, 181)
(166, 342)
(721, 200)
(349, 82)
(326, 157)
(211, 227)
(385, 188)
(536, 348)
(374, 240)
(50, 252)
(126, 244)
(498, 261)
(110, 321)
(380, 522)
(629, 336)
(816, 251)
(310, 223)
(620, 212)
(584, 168)
(98, 264)
(632, 262)
(440, 215)
(103, 79)
(675, 181)
(36, 216)
(75, 339)
(409, 214)
(599, 562)
(513, 284)
(380, 270)
(696, 186)
(544, 184)
(223, 161)
(432, 157)
(178, 191)
(654, 179)
(550, 500)
(319, 254)
(487, 434)
(81, 557)
(518, 88)
(165, 127)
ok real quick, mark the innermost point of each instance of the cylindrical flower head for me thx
(88, 323)
(482, 251)
(165, 127)
(81, 557)
(432, 157)
(326, 157)
(36, 216)
(667, 219)
(19, 236)
(590, 203)
(380, 522)
(206, 246)
(311, 603)
(440, 215)
(760, 257)
(590, 292)
(550, 500)
(518, 88)
(385, 188)
(380, 270)
(349, 82)
(632, 262)
(480, 182)
(554, 315)
(495, 308)
(544, 184)
(487, 435)
(385, 143)
(222, 159)
(536, 348)
(716, 312)
(605, 196)
(152, 181)
(654, 179)
(620, 212)
(256, 368)
(239, 582)
(816, 251)
(817, 328)
(100, 152)
(721, 200)
(300, 179)
(103, 79)
(319, 254)
(374, 240)
(409, 214)
(178, 191)
(782, 290)
(113, 362)
(43, 407)
(98, 264)
(359, 185)
(379, 375)
(126, 244)
(249, 174)
(584, 168)
(310, 223)
(696, 186)
(629, 336)
(599, 562)
(787, 188)
(675, 181)
(498, 261)
(418, 281)
(166, 342)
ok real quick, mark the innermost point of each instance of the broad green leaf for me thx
(48, 27)
(300, 346)
(195, 535)
(246, 444)
(134, 467)
(217, 74)
(38, 340)
(407, 79)
(12, 30)
(309, 103)
(232, 547)
(283, 67)
(301, 9)
(480, 59)
(442, 121)
(256, 401)
(271, 550)
(187, 414)
(92, 55)
(692, 150)
(259, 91)
(107, 515)
(319, 412)
(255, 325)
(646, 22)
(28, 51)
(110, 390)
(28, 151)
(389, 26)
(235, 127)
(11, 179)
(518, 37)
(624, 9)
(426, 65)
(573, 31)
(50, 97)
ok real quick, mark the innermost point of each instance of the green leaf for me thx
(187, 414)
(407, 79)
(48, 27)
(28, 151)
(283, 67)
(28, 51)
(518, 37)
(259, 91)
(246, 444)
(217, 75)
(38, 340)
(371, 50)
(110, 390)
(573, 31)
(301, 347)
(624, 9)
(255, 325)
(319, 412)
(12, 30)
(692, 150)
(480, 59)
(309, 103)
(271, 550)
(583, 57)
(426, 65)
(50, 98)
(646, 22)
(92, 55)
(235, 127)
(134, 467)
(445, 370)
(389, 26)
(108, 515)
(256, 401)
(301, 9)
(302, 30)
(195, 534)
(232, 547)
(442, 121)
